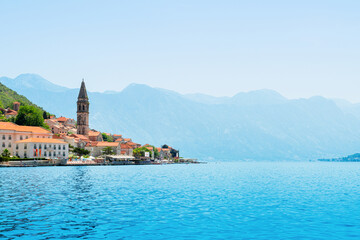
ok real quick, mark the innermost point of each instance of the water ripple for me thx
(213, 201)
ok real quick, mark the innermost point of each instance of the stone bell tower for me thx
(83, 111)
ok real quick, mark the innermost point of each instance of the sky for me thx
(299, 48)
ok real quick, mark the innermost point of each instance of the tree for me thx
(108, 151)
(165, 146)
(107, 138)
(81, 151)
(30, 116)
(156, 152)
(174, 152)
(140, 152)
(46, 115)
(5, 155)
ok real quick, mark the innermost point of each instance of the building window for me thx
(54, 147)
(3, 137)
(17, 154)
(9, 137)
(25, 146)
(3, 144)
(45, 146)
(39, 146)
(45, 155)
(64, 154)
(63, 147)
(17, 146)
(25, 155)
(59, 147)
(26, 137)
(34, 146)
(21, 137)
(9, 145)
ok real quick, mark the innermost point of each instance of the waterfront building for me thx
(96, 148)
(83, 111)
(21, 140)
(41, 148)
(126, 149)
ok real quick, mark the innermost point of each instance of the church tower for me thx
(83, 111)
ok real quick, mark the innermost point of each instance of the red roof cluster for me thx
(62, 119)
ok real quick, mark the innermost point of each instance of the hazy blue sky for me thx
(299, 48)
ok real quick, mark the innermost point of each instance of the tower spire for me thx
(83, 93)
(83, 111)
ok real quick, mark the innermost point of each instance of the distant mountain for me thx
(258, 125)
(31, 82)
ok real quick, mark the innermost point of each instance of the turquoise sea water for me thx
(207, 201)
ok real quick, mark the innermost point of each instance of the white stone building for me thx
(22, 140)
(41, 148)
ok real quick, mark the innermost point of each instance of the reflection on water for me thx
(213, 201)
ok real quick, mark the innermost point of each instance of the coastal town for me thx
(68, 142)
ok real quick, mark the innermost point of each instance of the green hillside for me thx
(8, 96)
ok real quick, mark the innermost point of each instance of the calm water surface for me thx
(210, 201)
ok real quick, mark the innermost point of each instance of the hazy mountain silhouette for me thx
(258, 125)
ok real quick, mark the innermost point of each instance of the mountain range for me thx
(256, 125)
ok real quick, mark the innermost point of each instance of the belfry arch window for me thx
(83, 107)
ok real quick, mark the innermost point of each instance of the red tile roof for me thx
(107, 144)
(18, 128)
(94, 133)
(82, 137)
(125, 146)
(62, 119)
(102, 144)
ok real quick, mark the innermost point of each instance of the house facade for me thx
(41, 148)
(96, 148)
(28, 142)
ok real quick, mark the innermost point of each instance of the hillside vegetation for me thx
(8, 96)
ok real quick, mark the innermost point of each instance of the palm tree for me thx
(5, 153)
(108, 151)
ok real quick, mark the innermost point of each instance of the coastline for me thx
(67, 163)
